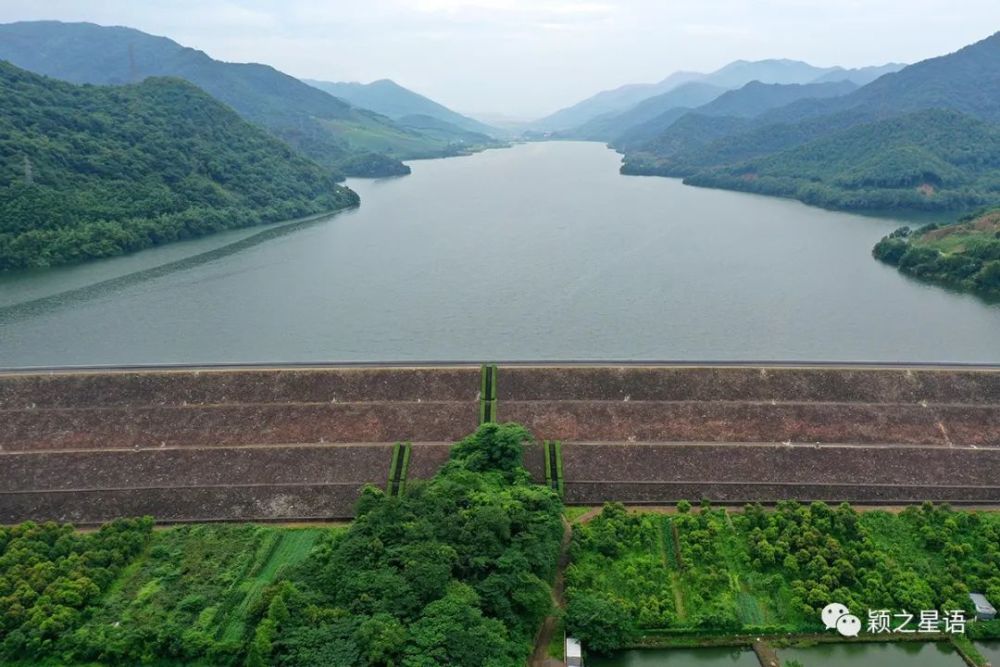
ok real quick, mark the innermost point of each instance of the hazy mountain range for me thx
(921, 138)
(733, 75)
(335, 133)
(393, 100)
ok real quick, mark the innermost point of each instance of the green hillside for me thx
(318, 125)
(779, 151)
(755, 98)
(722, 116)
(964, 255)
(929, 160)
(94, 171)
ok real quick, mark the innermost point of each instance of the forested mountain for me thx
(93, 171)
(733, 75)
(321, 126)
(755, 98)
(927, 160)
(393, 100)
(749, 101)
(608, 127)
(712, 150)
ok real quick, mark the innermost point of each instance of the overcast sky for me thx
(526, 58)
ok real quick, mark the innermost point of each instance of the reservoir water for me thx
(821, 655)
(540, 251)
(678, 657)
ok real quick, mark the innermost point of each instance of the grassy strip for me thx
(404, 467)
(968, 651)
(389, 490)
(573, 513)
(557, 646)
(559, 468)
(547, 453)
(229, 626)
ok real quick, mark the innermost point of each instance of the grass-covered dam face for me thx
(296, 443)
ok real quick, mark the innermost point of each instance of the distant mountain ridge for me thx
(321, 126)
(608, 126)
(609, 101)
(750, 101)
(731, 76)
(860, 76)
(925, 137)
(395, 101)
(656, 114)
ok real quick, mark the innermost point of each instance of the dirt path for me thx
(587, 516)
(765, 654)
(541, 653)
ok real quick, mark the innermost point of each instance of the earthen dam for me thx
(298, 443)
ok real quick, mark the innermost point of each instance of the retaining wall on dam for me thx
(299, 443)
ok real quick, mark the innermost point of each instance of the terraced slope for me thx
(661, 434)
(186, 446)
(282, 444)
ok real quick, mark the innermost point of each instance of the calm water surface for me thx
(990, 651)
(680, 657)
(541, 251)
(875, 655)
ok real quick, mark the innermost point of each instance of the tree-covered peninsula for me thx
(95, 171)
(964, 255)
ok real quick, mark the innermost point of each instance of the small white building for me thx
(984, 610)
(574, 653)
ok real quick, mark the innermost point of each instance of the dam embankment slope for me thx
(198, 444)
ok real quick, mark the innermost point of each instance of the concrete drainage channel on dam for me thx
(299, 442)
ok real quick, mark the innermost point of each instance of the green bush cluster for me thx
(454, 572)
(51, 574)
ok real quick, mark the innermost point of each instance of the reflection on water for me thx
(990, 651)
(911, 654)
(34, 298)
(540, 251)
(680, 657)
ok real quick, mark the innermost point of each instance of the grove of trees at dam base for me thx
(458, 570)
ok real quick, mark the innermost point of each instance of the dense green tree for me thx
(454, 572)
(602, 624)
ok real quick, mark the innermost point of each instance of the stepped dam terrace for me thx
(298, 443)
